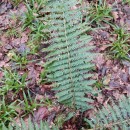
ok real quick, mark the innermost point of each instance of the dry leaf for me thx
(107, 79)
(115, 15)
(40, 114)
(2, 63)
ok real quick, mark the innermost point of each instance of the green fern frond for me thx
(115, 117)
(69, 54)
(30, 126)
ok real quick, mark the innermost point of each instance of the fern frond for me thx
(30, 126)
(69, 54)
(115, 117)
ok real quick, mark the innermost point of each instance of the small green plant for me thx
(12, 81)
(47, 102)
(121, 32)
(126, 1)
(29, 17)
(20, 59)
(38, 32)
(99, 84)
(7, 112)
(32, 19)
(120, 48)
(43, 77)
(37, 4)
(32, 15)
(12, 32)
(16, 19)
(16, 2)
(98, 12)
(33, 46)
(29, 105)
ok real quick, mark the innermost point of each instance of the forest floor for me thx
(22, 60)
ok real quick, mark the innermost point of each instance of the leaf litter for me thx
(114, 75)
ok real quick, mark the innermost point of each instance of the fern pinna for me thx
(114, 117)
(69, 57)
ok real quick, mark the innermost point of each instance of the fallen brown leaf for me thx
(115, 15)
(40, 114)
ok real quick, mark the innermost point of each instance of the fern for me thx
(31, 126)
(69, 57)
(116, 117)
